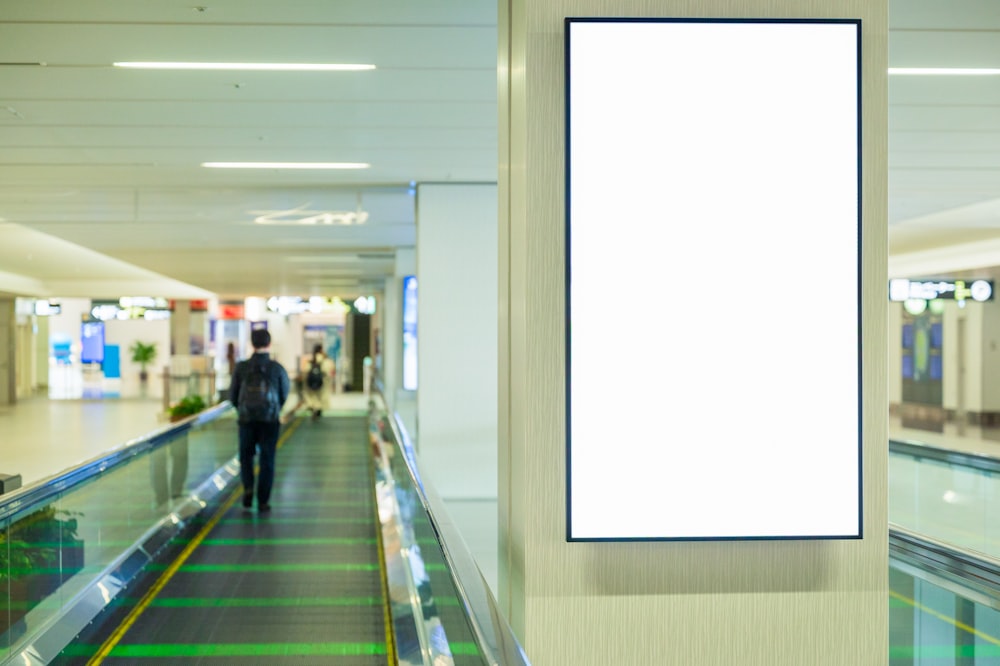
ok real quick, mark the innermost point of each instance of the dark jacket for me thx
(277, 379)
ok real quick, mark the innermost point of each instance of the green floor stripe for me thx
(247, 650)
(467, 649)
(292, 504)
(320, 566)
(310, 541)
(262, 602)
(943, 651)
(318, 520)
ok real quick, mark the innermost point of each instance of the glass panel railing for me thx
(949, 496)
(461, 620)
(931, 622)
(69, 542)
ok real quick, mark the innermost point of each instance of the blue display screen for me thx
(410, 333)
(92, 342)
(936, 335)
(934, 367)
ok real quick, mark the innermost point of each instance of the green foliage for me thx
(143, 353)
(33, 542)
(189, 404)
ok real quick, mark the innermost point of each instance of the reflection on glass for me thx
(168, 468)
(932, 625)
(51, 553)
(945, 501)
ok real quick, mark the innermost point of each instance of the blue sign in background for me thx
(92, 339)
(410, 333)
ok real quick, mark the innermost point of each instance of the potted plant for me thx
(188, 405)
(143, 354)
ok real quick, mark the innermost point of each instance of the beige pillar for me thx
(766, 603)
(180, 328)
(8, 336)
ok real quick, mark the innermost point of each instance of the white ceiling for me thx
(108, 159)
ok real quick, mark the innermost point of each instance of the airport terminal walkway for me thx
(305, 583)
(300, 584)
(146, 553)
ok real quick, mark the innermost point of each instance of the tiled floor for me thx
(970, 439)
(40, 437)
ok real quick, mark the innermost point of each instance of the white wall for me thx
(894, 356)
(392, 326)
(403, 402)
(988, 365)
(67, 322)
(392, 339)
(457, 324)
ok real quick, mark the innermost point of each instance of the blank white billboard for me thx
(713, 279)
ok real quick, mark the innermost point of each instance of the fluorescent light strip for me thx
(286, 165)
(944, 71)
(258, 66)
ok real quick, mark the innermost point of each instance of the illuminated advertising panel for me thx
(92, 342)
(721, 156)
(410, 333)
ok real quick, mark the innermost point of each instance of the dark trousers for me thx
(262, 436)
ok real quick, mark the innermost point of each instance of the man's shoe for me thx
(247, 500)
(264, 508)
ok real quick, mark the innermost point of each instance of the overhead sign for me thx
(901, 289)
(47, 308)
(229, 311)
(730, 150)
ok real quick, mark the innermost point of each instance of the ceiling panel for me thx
(110, 159)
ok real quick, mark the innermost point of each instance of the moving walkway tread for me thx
(301, 584)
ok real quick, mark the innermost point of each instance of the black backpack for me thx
(314, 378)
(258, 399)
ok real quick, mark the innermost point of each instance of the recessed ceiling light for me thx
(944, 71)
(259, 66)
(286, 165)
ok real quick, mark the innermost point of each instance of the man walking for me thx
(259, 389)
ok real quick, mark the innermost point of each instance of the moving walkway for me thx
(147, 553)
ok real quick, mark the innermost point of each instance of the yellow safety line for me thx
(168, 574)
(390, 634)
(945, 618)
